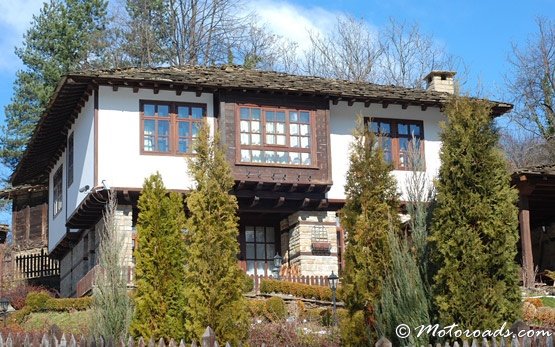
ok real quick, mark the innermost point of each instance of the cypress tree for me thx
(160, 262)
(369, 214)
(474, 225)
(213, 285)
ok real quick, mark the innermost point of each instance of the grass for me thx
(548, 301)
(76, 322)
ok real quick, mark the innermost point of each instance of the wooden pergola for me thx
(536, 187)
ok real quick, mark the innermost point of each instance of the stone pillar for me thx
(312, 243)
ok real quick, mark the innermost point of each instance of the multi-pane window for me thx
(401, 141)
(70, 160)
(57, 191)
(275, 136)
(260, 249)
(169, 127)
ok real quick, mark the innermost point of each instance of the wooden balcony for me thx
(87, 282)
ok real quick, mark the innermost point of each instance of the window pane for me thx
(245, 139)
(261, 267)
(293, 116)
(260, 251)
(294, 129)
(270, 251)
(183, 112)
(256, 156)
(244, 113)
(385, 128)
(260, 234)
(196, 128)
(403, 144)
(148, 110)
(305, 157)
(249, 234)
(304, 129)
(280, 116)
(415, 130)
(280, 140)
(403, 129)
(270, 127)
(250, 250)
(283, 157)
(255, 139)
(245, 155)
(270, 156)
(304, 142)
(183, 129)
(183, 146)
(374, 127)
(197, 112)
(270, 116)
(244, 126)
(163, 110)
(270, 234)
(250, 267)
(305, 117)
(163, 128)
(255, 127)
(295, 158)
(280, 128)
(163, 144)
(148, 143)
(294, 141)
(271, 139)
(149, 126)
(255, 113)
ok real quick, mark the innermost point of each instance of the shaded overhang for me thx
(537, 185)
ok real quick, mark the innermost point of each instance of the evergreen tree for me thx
(474, 225)
(66, 35)
(160, 263)
(212, 276)
(370, 213)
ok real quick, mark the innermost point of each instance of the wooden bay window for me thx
(275, 136)
(398, 139)
(170, 127)
(57, 191)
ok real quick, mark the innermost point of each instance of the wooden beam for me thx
(367, 104)
(335, 101)
(351, 102)
(305, 203)
(423, 107)
(115, 88)
(323, 204)
(135, 89)
(255, 201)
(277, 186)
(404, 106)
(293, 187)
(526, 242)
(280, 202)
(385, 104)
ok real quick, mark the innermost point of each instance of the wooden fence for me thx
(86, 283)
(50, 340)
(35, 265)
(536, 341)
(310, 280)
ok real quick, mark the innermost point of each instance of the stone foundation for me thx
(309, 246)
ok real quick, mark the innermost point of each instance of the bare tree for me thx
(524, 149)
(408, 55)
(349, 52)
(532, 82)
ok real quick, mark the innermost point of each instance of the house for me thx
(286, 137)
(536, 187)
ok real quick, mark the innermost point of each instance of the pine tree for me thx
(66, 35)
(160, 263)
(212, 277)
(369, 214)
(474, 225)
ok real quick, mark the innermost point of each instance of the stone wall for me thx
(83, 256)
(304, 245)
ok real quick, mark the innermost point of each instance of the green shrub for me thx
(257, 308)
(275, 309)
(248, 283)
(36, 301)
(354, 330)
(298, 289)
(69, 304)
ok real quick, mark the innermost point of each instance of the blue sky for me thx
(479, 32)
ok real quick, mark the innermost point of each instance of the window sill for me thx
(288, 166)
(166, 154)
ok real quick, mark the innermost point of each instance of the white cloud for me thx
(293, 21)
(15, 18)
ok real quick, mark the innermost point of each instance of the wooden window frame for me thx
(57, 191)
(281, 148)
(269, 259)
(70, 159)
(174, 120)
(394, 136)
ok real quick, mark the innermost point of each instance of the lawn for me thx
(548, 301)
(76, 322)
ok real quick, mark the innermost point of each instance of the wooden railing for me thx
(35, 265)
(86, 283)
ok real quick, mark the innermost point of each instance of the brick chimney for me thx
(440, 81)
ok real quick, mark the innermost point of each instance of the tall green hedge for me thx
(475, 224)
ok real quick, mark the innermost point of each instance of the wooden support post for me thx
(526, 242)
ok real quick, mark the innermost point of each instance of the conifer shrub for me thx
(354, 330)
(474, 230)
(275, 309)
(213, 279)
(257, 308)
(248, 283)
(36, 301)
